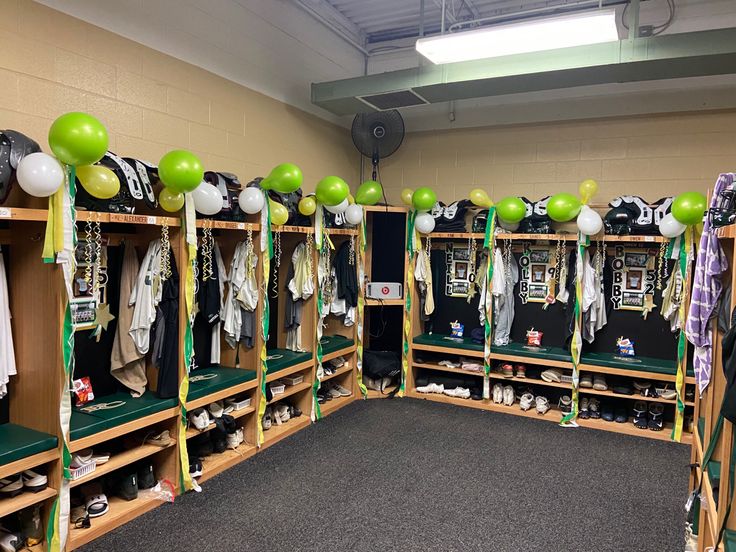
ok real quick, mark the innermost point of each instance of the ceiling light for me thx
(536, 35)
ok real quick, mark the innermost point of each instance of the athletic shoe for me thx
(199, 418)
(124, 485)
(552, 376)
(10, 542)
(337, 362)
(599, 383)
(507, 370)
(372, 384)
(342, 390)
(431, 388)
(321, 399)
(458, 392)
(162, 439)
(498, 393)
(81, 458)
(542, 405)
(266, 422)
(195, 468)
(565, 405)
(520, 371)
(508, 395)
(526, 401)
(586, 380)
(334, 393)
(235, 439)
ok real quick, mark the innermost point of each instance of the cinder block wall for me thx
(648, 156)
(150, 102)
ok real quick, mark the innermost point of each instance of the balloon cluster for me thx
(564, 207)
(422, 200)
(688, 208)
(78, 140)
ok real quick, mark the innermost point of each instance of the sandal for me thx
(594, 406)
(542, 405)
(97, 505)
(667, 393)
(584, 413)
(656, 412)
(640, 415)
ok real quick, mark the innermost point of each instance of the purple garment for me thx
(707, 286)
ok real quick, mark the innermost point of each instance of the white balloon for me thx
(39, 174)
(207, 199)
(354, 214)
(510, 226)
(251, 200)
(339, 208)
(424, 223)
(670, 227)
(589, 222)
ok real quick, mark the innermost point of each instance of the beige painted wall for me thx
(648, 156)
(52, 63)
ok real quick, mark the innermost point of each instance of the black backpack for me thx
(382, 364)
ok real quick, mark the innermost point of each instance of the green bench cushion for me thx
(439, 340)
(729, 540)
(17, 442)
(84, 425)
(280, 359)
(543, 353)
(644, 364)
(132, 409)
(332, 343)
(223, 378)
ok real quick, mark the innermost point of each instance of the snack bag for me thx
(82, 389)
(625, 347)
(534, 338)
(457, 329)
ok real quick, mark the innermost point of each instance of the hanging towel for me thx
(145, 297)
(127, 364)
(7, 352)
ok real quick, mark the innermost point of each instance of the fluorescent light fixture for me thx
(535, 35)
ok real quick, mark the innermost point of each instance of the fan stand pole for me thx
(374, 161)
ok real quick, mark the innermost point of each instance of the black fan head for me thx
(378, 135)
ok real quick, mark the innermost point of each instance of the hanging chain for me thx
(276, 263)
(309, 246)
(661, 264)
(208, 245)
(429, 244)
(508, 257)
(599, 259)
(249, 252)
(351, 251)
(326, 262)
(558, 260)
(97, 232)
(88, 252)
(165, 253)
(473, 251)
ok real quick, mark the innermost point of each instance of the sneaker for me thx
(599, 383)
(125, 486)
(542, 405)
(508, 395)
(584, 412)
(520, 371)
(196, 469)
(507, 370)
(370, 383)
(337, 362)
(498, 393)
(328, 370)
(234, 440)
(458, 392)
(11, 486)
(321, 399)
(526, 401)
(199, 418)
(586, 381)
(565, 404)
(342, 390)
(162, 439)
(594, 407)
(333, 392)
(266, 422)
(10, 541)
(552, 376)
(431, 388)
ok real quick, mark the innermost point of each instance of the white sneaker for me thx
(542, 405)
(370, 383)
(431, 388)
(458, 392)
(526, 401)
(498, 393)
(235, 439)
(199, 418)
(508, 396)
(342, 390)
(10, 541)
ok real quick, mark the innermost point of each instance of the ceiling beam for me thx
(333, 18)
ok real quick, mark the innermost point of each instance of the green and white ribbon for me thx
(267, 254)
(576, 346)
(488, 244)
(60, 245)
(682, 251)
(189, 224)
(322, 248)
(411, 240)
(361, 305)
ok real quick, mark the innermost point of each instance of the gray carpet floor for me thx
(410, 475)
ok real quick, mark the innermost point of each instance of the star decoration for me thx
(103, 316)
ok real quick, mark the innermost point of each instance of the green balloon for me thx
(511, 209)
(369, 193)
(563, 207)
(286, 178)
(332, 190)
(180, 171)
(688, 208)
(78, 139)
(423, 199)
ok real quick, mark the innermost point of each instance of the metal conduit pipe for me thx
(327, 23)
(582, 4)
